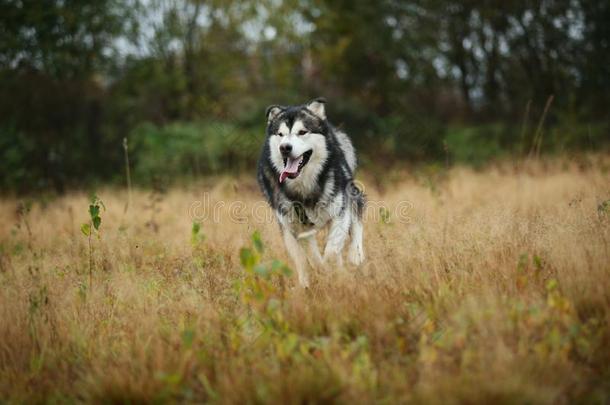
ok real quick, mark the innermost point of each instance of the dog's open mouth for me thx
(293, 167)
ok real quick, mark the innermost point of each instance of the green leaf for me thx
(604, 208)
(196, 228)
(247, 258)
(97, 222)
(537, 262)
(171, 379)
(262, 271)
(279, 267)
(85, 229)
(188, 335)
(551, 285)
(94, 210)
(384, 215)
(257, 241)
(196, 236)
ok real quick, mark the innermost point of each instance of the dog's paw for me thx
(333, 262)
(324, 267)
(304, 281)
(355, 257)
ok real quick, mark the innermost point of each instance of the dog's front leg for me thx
(297, 254)
(339, 230)
(314, 257)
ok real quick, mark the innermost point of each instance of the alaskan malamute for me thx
(306, 171)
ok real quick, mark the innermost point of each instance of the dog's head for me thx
(297, 139)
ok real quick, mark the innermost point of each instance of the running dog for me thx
(306, 172)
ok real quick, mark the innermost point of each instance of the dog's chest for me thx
(300, 218)
(313, 205)
(317, 216)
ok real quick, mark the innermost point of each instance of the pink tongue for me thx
(292, 166)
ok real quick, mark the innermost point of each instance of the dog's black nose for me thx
(285, 148)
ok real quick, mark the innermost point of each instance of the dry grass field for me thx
(488, 286)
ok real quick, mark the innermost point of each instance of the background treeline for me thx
(187, 81)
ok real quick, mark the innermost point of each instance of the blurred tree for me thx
(593, 68)
(52, 55)
(78, 76)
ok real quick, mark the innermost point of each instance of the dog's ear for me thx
(273, 111)
(318, 107)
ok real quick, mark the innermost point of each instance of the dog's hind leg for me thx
(298, 256)
(339, 230)
(356, 251)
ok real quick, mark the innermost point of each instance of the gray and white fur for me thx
(306, 171)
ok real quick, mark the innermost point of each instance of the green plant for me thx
(197, 237)
(189, 149)
(259, 287)
(476, 145)
(384, 215)
(261, 291)
(91, 227)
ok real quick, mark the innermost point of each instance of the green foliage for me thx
(68, 39)
(603, 209)
(85, 229)
(475, 145)
(197, 237)
(409, 135)
(529, 271)
(259, 287)
(188, 82)
(384, 215)
(549, 329)
(192, 149)
(90, 228)
(15, 149)
(94, 216)
(264, 334)
(52, 56)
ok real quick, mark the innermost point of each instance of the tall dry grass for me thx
(487, 286)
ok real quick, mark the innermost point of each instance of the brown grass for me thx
(494, 286)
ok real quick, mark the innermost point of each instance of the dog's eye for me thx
(302, 132)
(280, 134)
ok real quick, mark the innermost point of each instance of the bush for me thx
(15, 152)
(180, 149)
(411, 136)
(574, 134)
(475, 145)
